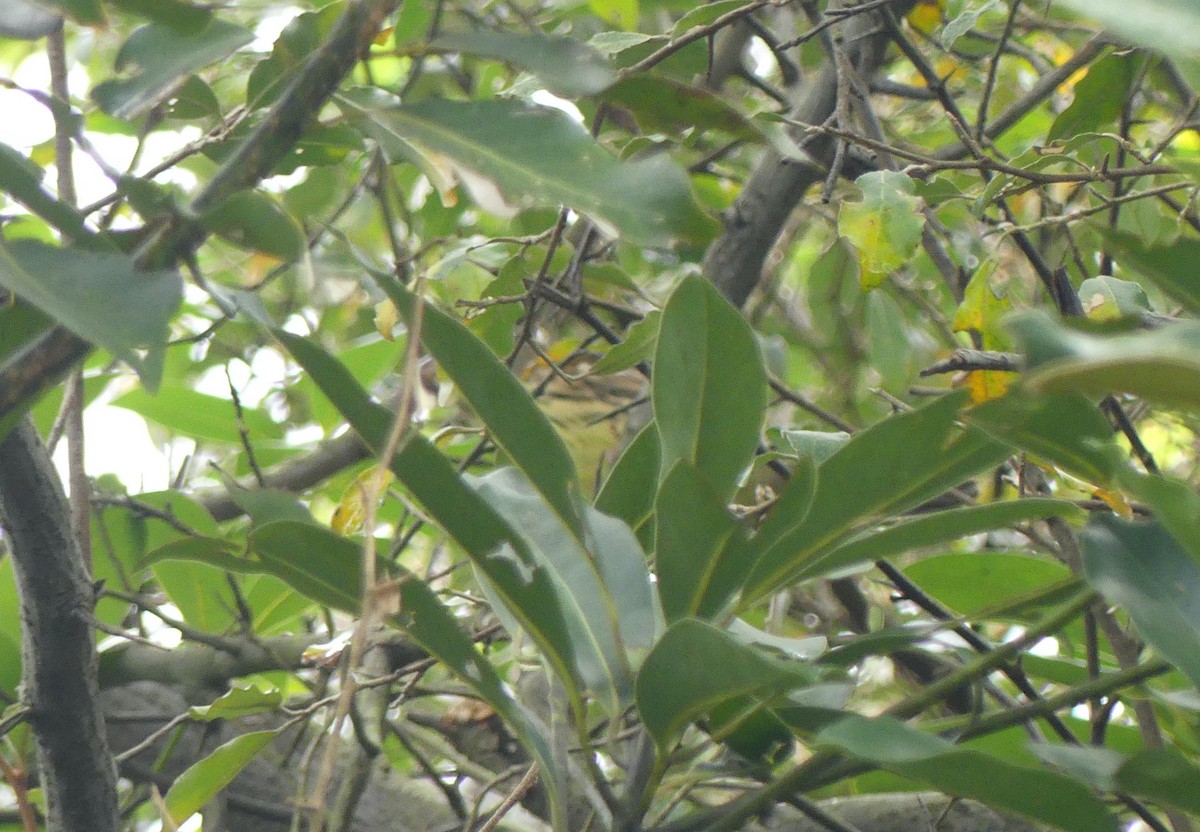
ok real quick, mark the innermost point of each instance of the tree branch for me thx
(59, 667)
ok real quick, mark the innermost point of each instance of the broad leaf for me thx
(565, 66)
(1162, 365)
(1142, 568)
(1176, 505)
(1166, 25)
(100, 296)
(932, 529)
(513, 419)
(701, 553)
(972, 584)
(199, 415)
(884, 226)
(1106, 298)
(474, 525)
(507, 150)
(87, 12)
(709, 387)
(1052, 798)
(1169, 266)
(1099, 97)
(240, 700)
(258, 222)
(673, 688)
(316, 562)
(604, 590)
(664, 105)
(204, 780)
(21, 179)
(628, 492)
(1065, 429)
(1162, 775)
(158, 56)
(888, 468)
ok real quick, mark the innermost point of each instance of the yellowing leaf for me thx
(351, 510)
(884, 227)
(985, 385)
(386, 318)
(985, 301)
(1116, 501)
(926, 16)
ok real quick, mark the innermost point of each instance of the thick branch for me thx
(58, 658)
(735, 260)
(294, 475)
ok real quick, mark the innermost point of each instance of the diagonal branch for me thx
(43, 363)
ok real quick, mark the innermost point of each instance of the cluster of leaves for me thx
(656, 601)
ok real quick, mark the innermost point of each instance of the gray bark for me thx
(59, 668)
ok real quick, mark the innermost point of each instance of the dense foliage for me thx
(614, 415)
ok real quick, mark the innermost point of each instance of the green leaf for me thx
(1162, 775)
(204, 780)
(664, 105)
(21, 179)
(815, 445)
(964, 22)
(1171, 266)
(709, 388)
(674, 688)
(885, 226)
(604, 590)
(513, 419)
(701, 556)
(1143, 568)
(199, 415)
(177, 14)
(1045, 796)
(889, 345)
(1165, 25)
(434, 627)
(258, 222)
(507, 150)
(100, 296)
(973, 583)
(1066, 429)
(939, 527)
(1176, 505)
(437, 485)
(623, 13)
(1162, 365)
(303, 34)
(628, 492)
(318, 563)
(1106, 298)
(86, 12)
(638, 345)
(240, 700)
(565, 66)
(158, 56)
(1099, 97)
(886, 469)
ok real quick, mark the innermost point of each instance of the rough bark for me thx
(59, 668)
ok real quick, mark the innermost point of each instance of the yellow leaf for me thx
(386, 318)
(1115, 500)
(351, 510)
(985, 385)
(926, 15)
